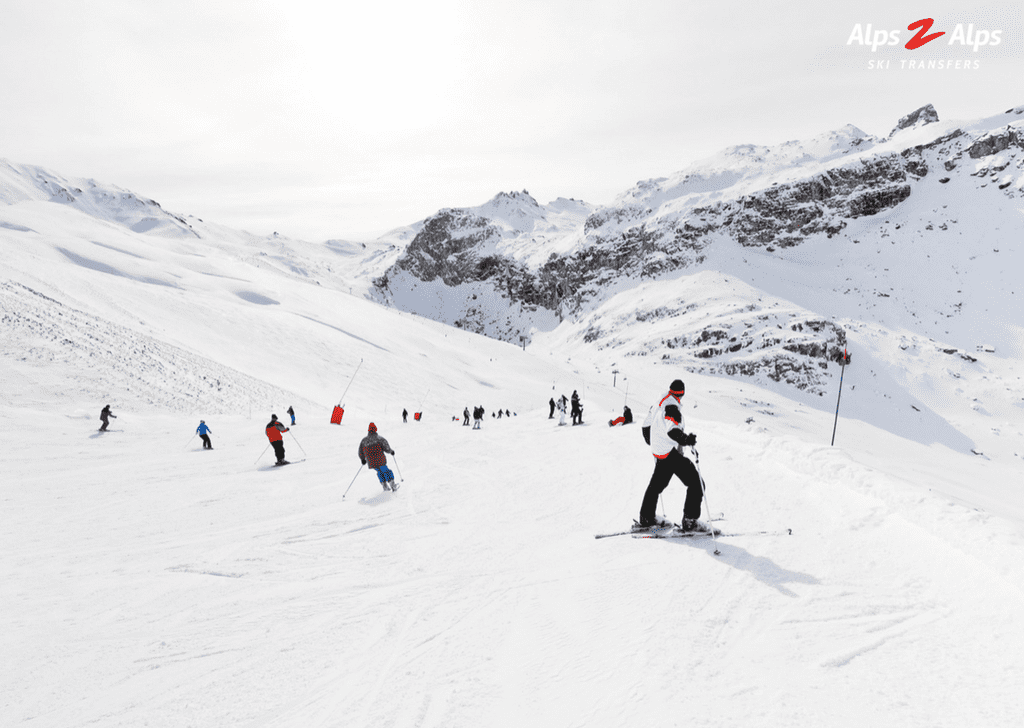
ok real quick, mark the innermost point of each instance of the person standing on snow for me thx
(664, 432)
(371, 453)
(465, 417)
(274, 430)
(203, 431)
(551, 404)
(405, 415)
(104, 414)
(292, 413)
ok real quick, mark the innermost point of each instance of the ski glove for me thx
(690, 439)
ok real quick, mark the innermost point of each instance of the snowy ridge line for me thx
(99, 356)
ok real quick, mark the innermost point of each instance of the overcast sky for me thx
(337, 119)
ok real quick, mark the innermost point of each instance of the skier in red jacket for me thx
(274, 430)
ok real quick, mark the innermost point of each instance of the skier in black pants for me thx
(203, 431)
(551, 404)
(104, 414)
(663, 431)
(274, 430)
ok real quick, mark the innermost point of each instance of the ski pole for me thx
(704, 494)
(262, 453)
(189, 441)
(297, 443)
(353, 482)
(398, 469)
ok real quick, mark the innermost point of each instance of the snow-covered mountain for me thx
(145, 581)
(761, 262)
(836, 191)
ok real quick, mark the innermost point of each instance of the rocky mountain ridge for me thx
(478, 270)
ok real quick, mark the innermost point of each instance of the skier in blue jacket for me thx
(204, 431)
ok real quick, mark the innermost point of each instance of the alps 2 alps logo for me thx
(924, 32)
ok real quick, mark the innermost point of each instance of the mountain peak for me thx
(915, 119)
(523, 197)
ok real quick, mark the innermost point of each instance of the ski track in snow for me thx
(223, 594)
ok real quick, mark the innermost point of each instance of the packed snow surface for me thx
(145, 581)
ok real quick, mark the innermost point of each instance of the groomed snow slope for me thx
(144, 581)
(147, 583)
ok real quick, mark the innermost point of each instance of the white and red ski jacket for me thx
(660, 427)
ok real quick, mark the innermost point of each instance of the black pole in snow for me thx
(841, 373)
(341, 402)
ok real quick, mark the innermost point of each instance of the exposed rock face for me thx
(996, 142)
(768, 341)
(924, 115)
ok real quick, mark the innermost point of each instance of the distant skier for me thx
(577, 412)
(551, 404)
(664, 432)
(405, 415)
(561, 410)
(371, 453)
(274, 430)
(104, 414)
(465, 417)
(478, 417)
(292, 413)
(204, 431)
(627, 417)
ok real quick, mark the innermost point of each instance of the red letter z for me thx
(920, 39)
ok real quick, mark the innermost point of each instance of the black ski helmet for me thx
(677, 388)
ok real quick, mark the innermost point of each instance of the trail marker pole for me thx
(839, 398)
(342, 400)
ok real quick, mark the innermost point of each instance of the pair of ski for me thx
(675, 531)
